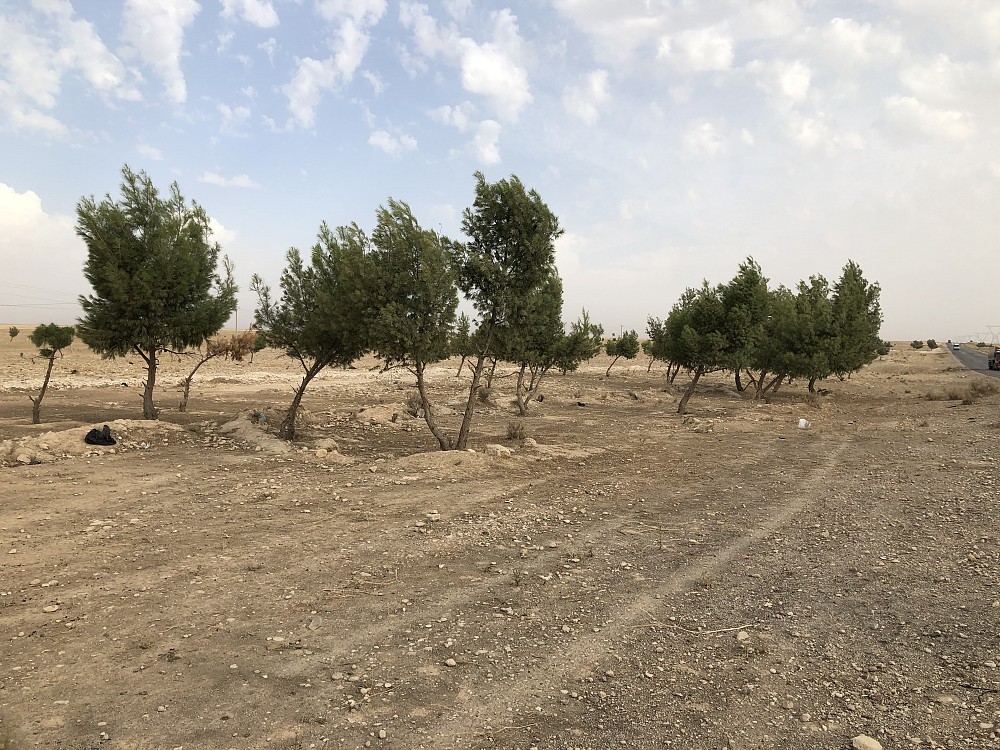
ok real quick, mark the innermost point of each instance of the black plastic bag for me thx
(100, 436)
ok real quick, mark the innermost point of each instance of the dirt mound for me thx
(130, 434)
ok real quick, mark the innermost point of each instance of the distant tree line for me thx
(394, 293)
(766, 336)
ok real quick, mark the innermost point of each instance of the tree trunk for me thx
(777, 382)
(812, 385)
(608, 373)
(149, 410)
(739, 383)
(460, 366)
(470, 406)
(493, 369)
(187, 383)
(682, 406)
(672, 375)
(649, 367)
(519, 397)
(36, 403)
(286, 431)
(425, 404)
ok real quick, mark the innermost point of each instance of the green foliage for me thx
(583, 342)
(695, 335)
(857, 319)
(917, 344)
(515, 430)
(462, 341)
(746, 302)
(509, 256)
(152, 266)
(410, 289)
(627, 346)
(932, 344)
(884, 347)
(656, 347)
(981, 345)
(319, 318)
(13, 331)
(50, 339)
(410, 297)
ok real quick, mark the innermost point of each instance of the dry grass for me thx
(967, 394)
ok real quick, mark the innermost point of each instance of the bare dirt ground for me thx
(625, 578)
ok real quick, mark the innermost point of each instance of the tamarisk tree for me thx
(318, 320)
(50, 340)
(152, 265)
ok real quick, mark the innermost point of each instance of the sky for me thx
(672, 138)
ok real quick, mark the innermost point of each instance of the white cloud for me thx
(584, 101)
(486, 142)
(703, 139)
(155, 33)
(269, 48)
(233, 118)
(909, 116)
(349, 42)
(375, 80)
(492, 69)
(853, 43)
(392, 144)
(38, 235)
(698, 50)
(149, 152)
(221, 234)
(260, 13)
(786, 81)
(36, 53)
(306, 88)
(240, 180)
(459, 117)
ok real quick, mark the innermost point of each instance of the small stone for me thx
(321, 452)
(24, 458)
(806, 718)
(161, 709)
(450, 663)
(743, 636)
(50, 608)
(864, 742)
(382, 734)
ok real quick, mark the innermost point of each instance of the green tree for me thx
(746, 300)
(152, 266)
(695, 334)
(917, 344)
(462, 342)
(627, 346)
(533, 337)
(584, 341)
(411, 297)
(319, 319)
(510, 253)
(857, 319)
(50, 340)
(932, 344)
(655, 347)
(13, 331)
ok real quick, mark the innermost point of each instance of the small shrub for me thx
(981, 345)
(932, 344)
(12, 331)
(917, 344)
(967, 395)
(414, 404)
(515, 430)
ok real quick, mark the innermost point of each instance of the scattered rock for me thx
(864, 742)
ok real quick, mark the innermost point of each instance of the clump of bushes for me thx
(917, 344)
(515, 430)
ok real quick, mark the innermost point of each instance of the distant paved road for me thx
(974, 360)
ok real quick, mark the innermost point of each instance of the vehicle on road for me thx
(956, 345)
(993, 360)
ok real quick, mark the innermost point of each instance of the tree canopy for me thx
(319, 319)
(153, 267)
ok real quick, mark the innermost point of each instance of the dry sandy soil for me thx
(624, 578)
